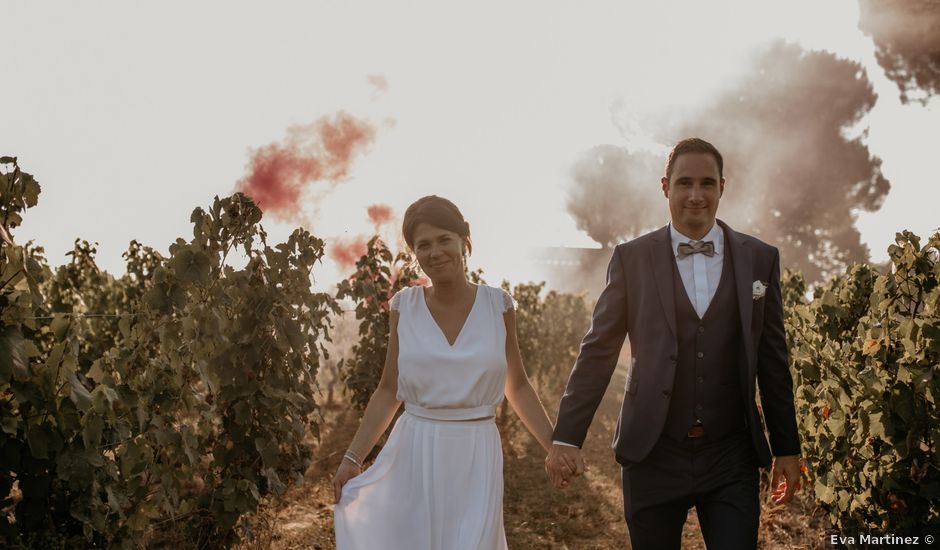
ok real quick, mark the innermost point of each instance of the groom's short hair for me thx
(693, 145)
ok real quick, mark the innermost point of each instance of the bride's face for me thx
(439, 252)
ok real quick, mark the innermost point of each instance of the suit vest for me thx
(707, 386)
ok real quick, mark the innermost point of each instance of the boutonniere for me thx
(758, 290)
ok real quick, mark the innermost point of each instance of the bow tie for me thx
(701, 247)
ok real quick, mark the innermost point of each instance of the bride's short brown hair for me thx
(436, 211)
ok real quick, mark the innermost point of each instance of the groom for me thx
(702, 306)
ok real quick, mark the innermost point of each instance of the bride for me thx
(452, 355)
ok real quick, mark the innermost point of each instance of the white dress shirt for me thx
(700, 274)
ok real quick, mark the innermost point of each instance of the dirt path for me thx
(588, 515)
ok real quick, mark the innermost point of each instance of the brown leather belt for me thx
(696, 431)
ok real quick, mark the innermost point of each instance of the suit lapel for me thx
(741, 258)
(662, 259)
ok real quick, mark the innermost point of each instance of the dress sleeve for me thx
(395, 302)
(508, 302)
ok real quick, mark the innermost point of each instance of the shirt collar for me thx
(715, 234)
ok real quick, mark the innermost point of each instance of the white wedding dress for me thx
(438, 482)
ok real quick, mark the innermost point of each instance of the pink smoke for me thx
(347, 252)
(278, 173)
(379, 215)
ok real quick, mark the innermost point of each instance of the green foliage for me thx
(378, 276)
(866, 354)
(549, 330)
(171, 399)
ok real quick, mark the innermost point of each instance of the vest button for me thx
(667, 393)
(700, 379)
(701, 329)
(700, 355)
(698, 408)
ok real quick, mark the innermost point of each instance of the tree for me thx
(795, 175)
(795, 178)
(907, 41)
(614, 194)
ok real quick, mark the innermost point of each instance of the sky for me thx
(132, 115)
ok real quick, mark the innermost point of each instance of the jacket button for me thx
(700, 379)
(700, 355)
(667, 393)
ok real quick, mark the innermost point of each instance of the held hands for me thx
(787, 467)
(563, 463)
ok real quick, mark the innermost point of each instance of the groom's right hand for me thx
(562, 463)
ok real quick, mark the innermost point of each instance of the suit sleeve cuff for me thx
(790, 447)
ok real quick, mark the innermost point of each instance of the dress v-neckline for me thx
(424, 300)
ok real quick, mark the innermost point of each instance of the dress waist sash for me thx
(471, 413)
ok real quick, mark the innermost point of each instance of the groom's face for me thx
(693, 192)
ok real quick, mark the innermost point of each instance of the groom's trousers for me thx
(721, 479)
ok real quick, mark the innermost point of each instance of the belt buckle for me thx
(696, 431)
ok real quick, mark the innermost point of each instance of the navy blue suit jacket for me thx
(639, 301)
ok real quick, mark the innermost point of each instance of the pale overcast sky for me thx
(130, 114)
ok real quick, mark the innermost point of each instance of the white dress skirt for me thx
(438, 482)
(436, 485)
